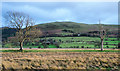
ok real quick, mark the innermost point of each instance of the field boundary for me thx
(57, 49)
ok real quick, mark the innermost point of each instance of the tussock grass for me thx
(61, 60)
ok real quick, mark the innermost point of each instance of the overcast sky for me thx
(81, 12)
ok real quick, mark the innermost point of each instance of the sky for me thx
(80, 12)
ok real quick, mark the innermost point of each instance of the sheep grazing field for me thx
(61, 60)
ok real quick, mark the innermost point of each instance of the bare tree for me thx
(102, 34)
(23, 23)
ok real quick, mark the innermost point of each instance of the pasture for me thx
(76, 42)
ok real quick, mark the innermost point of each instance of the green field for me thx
(73, 42)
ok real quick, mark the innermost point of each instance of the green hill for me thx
(64, 28)
(72, 26)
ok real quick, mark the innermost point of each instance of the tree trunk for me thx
(101, 44)
(21, 46)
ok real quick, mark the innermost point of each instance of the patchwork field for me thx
(61, 60)
(82, 42)
(68, 42)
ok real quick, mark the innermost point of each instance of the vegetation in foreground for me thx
(61, 60)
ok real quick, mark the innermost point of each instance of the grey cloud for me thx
(87, 12)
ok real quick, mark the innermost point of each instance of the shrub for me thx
(30, 47)
(45, 45)
(57, 46)
(113, 40)
(59, 40)
(33, 43)
(107, 46)
(82, 46)
(113, 47)
(60, 47)
(38, 46)
(118, 45)
(74, 47)
(77, 47)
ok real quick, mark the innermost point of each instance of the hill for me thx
(73, 27)
(64, 28)
(7, 32)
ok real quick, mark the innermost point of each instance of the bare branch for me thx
(22, 23)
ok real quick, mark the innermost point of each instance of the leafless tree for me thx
(102, 34)
(24, 25)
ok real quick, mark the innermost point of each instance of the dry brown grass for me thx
(60, 60)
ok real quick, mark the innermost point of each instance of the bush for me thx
(82, 46)
(38, 46)
(30, 47)
(113, 47)
(118, 45)
(113, 40)
(33, 43)
(77, 47)
(57, 46)
(107, 46)
(45, 45)
(74, 47)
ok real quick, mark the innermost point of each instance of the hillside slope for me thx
(62, 28)
(72, 27)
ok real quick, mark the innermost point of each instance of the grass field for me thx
(87, 42)
(73, 42)
(61, 60)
